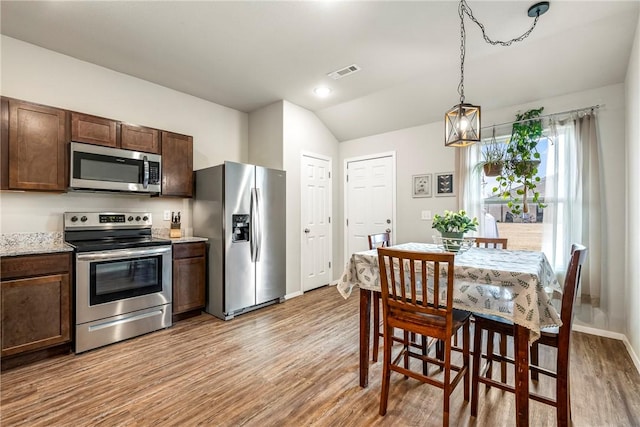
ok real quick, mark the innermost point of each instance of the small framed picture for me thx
(444, 184)
(422, 185)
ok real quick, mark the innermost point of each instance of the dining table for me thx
(516, 285)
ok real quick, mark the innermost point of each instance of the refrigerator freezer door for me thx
(270, 226)
(208, 222)
(239, 269)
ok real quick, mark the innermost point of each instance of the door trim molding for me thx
(304, 154)
(345, 234)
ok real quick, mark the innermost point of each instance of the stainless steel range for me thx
(123, 277)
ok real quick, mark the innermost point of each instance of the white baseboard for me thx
(293, 295)
(615, 335)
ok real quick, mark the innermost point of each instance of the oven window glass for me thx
(109, 171)
(121, 279)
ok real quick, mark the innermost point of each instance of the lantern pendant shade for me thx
(462, 125)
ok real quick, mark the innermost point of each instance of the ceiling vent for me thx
(343, 72)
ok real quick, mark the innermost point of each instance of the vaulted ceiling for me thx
(248, 54)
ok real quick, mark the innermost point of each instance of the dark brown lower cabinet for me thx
(189, 269)
(35, 293)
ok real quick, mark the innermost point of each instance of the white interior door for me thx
(369, 199)
(315, 200)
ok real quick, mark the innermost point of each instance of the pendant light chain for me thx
(464, 7)
(463, 38)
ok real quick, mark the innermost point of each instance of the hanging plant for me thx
(518, 181)
(493, 156)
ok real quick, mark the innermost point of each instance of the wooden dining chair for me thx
(491, 242)
(559, 338)
(412, 302)
(494, 243)
(375, 241)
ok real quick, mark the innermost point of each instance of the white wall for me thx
(265, 136)
(632, 85)
(303, 131)
(421, 150)
(39, 75)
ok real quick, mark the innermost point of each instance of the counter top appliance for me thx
(241, 209)
(123, 276)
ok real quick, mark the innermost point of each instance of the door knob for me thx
(388, 230)
(306, 230)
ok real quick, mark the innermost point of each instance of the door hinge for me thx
(347, 178)
(347, 222)
(329, 220)
(329, 175)
(329, 264)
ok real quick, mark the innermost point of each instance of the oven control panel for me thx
(99, 220)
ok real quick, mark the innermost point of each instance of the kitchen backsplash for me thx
(42, 212)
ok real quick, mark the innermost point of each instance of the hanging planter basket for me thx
(493, 169)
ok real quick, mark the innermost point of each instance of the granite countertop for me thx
(14, 244)
(164, 234)
(191, 239)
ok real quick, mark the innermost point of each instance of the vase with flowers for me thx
(452, 226)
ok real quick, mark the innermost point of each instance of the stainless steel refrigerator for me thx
(241, 210)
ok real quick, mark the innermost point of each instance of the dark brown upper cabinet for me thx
(34, 148)
(140, 138)
(177, 165)
(94, 130)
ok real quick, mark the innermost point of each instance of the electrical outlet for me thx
(426, 215)
(167, 216)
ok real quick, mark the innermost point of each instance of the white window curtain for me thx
(573, 193)
(469, 184)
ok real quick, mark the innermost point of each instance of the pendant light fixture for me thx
(462, 121)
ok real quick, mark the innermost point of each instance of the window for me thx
(524, 231)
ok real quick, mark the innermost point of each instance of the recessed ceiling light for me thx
(322, 91)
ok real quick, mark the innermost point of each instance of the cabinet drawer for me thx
(34, 265)
(188, 250)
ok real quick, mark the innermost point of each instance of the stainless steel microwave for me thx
(98, 168)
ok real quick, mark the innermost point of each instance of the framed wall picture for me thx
(444, 184)
(422, 185)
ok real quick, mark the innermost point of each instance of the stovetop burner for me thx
(99, 231)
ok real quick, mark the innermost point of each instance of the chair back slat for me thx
(402, 295)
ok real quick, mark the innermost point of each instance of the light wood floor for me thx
(293, 364)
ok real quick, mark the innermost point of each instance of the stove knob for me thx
(145, 218)
(130, 218)
(137, 218)
(83, 219)
(74, 218)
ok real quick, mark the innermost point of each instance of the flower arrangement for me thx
(454, 222)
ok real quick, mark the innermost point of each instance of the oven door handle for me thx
(122, 254)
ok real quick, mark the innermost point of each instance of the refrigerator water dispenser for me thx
(240, 228)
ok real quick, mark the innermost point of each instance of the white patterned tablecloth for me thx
(515, 285)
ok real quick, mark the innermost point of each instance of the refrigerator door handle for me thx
(252, 219)
(258, 225)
